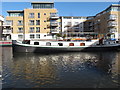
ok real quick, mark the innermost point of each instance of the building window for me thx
(46, 5)
(31, 22)
(37, 35)
(31, 15)
(76, 23)
(32, 36)
(20, 36)
(16, 14)
(44, 20)
(37, 22)
(31, 30)
(37, 29)
(20, 22)
(114, 8)
(44, 13)
(38, 15)
(44, 28)
(20, 30)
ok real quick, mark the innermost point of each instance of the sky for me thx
(64, 8)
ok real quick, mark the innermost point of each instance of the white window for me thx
(20, 22)
(37, 35)
(31, 22)
(38, 15)
(20, 36)
(37, 29)
(31, 30)
(20, 30)
(32, 36)
(76, 23)
(37, 22)
(31, 15)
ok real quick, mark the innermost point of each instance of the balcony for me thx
(112, 18)
(7, 31)
(7, 24)
(112, 25)
(54, 31)
(91, 24)
(112, 30)
(54, 16)
(55, 24)
(68, 25)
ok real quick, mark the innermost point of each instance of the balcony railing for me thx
(112, 25)
(112, 30)
(7, 24)
(54, 31)
(91, 24)
(54, 16)
(68, 25)
(7, 31)
(112, 18)
(54, 23)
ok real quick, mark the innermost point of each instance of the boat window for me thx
(71, 44)
(48, 44)
(82, 44)
(60, 44)
(26, 42)
(36, 43)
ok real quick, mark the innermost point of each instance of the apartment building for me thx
(1, 26)
(39, 22)
(106, 23)
(72, 26)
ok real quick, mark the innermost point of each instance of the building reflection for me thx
(40, 70)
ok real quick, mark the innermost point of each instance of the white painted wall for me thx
(72, 20)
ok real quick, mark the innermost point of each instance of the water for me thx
(61, 70)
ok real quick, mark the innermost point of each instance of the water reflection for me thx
(72, 70)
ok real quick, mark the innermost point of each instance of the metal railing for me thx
(7, 31)
(54, 23)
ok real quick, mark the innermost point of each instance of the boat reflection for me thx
(86, 70)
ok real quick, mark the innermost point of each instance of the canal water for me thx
(60, 70)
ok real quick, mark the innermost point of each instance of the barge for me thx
(64, 46)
